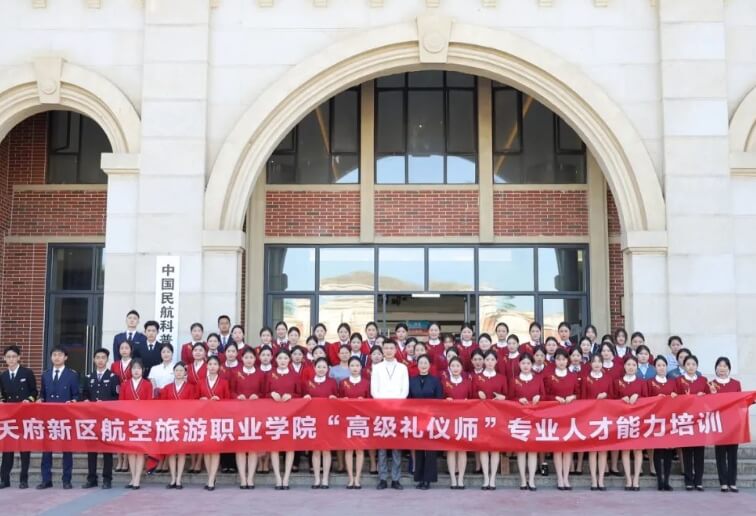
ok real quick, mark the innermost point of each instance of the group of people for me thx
(223, 366)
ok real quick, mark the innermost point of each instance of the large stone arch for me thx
(52, 83)
(435, 43)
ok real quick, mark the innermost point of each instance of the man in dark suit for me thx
(149, 350)
(100, 385)
(17, 385)
(59, 385)
(132, 333)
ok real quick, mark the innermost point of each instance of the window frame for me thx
(557, 152)
(295, 143)
(445, 89)
(475, 293)
(50, 151)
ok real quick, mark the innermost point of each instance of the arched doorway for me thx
(56, 121)
(442, 45)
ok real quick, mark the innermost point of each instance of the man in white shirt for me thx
(389, 380)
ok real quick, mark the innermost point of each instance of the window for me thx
(75, 147)
(324, 148)
(426, 128)
(515, 284)
(531, 144)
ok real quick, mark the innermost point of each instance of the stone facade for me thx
(195, 94)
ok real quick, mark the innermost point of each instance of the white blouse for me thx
(161, 375)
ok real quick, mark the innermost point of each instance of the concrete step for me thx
(370, 481)
(746, 464)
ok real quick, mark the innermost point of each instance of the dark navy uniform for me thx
(150, 357)
(100, 387)
(58, 386)
(134, 336)
(21, 387)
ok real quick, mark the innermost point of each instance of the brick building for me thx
(398, 161)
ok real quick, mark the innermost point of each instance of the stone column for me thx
(701, 268)
(120, 242)
(221, 275)
(172, 172)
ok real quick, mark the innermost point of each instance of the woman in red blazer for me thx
(689, 383)
(321, 386)
(660, 385)
(283, 385)
(179, 389)
(614, 368)
(136, 389)
(597, 385)
(629, 389)
(489, 385)
(726, 454)
(357, 386)
(457, 386)
(527, 389)
(197, 369)
(562, 386)
(213, 388)
(248, 383)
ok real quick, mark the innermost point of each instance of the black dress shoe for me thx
(382, 485)
(44, 485)
(396, 485)
(209, 488)
(89, 485)
(67, 485)
(106, 484)
(23, 485)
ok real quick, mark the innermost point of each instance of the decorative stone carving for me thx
(433, 35)
(48, 71)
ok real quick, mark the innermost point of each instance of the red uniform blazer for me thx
(196, 377)
(557, 387)
(228, 373)
(187, 392)
(591, 387)
(220, 389)
(465, 355)
(413, 371)
(528, 347)
(496, 384)
(351, 390)
(457, 391)
(617, 371)
(321, 390)
(637, 386)
(186, 352)
(332, 352)
(548, 368)
(288, 383)
(248, 384)
(700, 384)
(732, 386)
(122, 373)
(142, 392)
(655, 388)
(510, 367)
(519, 388)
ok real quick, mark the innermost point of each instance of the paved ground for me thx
(302, 501)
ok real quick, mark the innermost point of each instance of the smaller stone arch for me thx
(52, 83)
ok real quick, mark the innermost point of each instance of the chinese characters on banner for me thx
(168, 427)
(167, 298)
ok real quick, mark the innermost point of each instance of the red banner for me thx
(168, 427)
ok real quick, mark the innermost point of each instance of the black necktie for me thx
(57, 376)
(13, 375)
(150, 347)
(129, 335)
(99, 377)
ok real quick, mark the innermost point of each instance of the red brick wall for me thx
(616, 286)
(58, 213)
(612, 214)
(541, 213)
(424, 213)
(309, 213)
(49, 213)
(22, 312)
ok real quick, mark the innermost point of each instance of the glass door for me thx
(74, 303)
